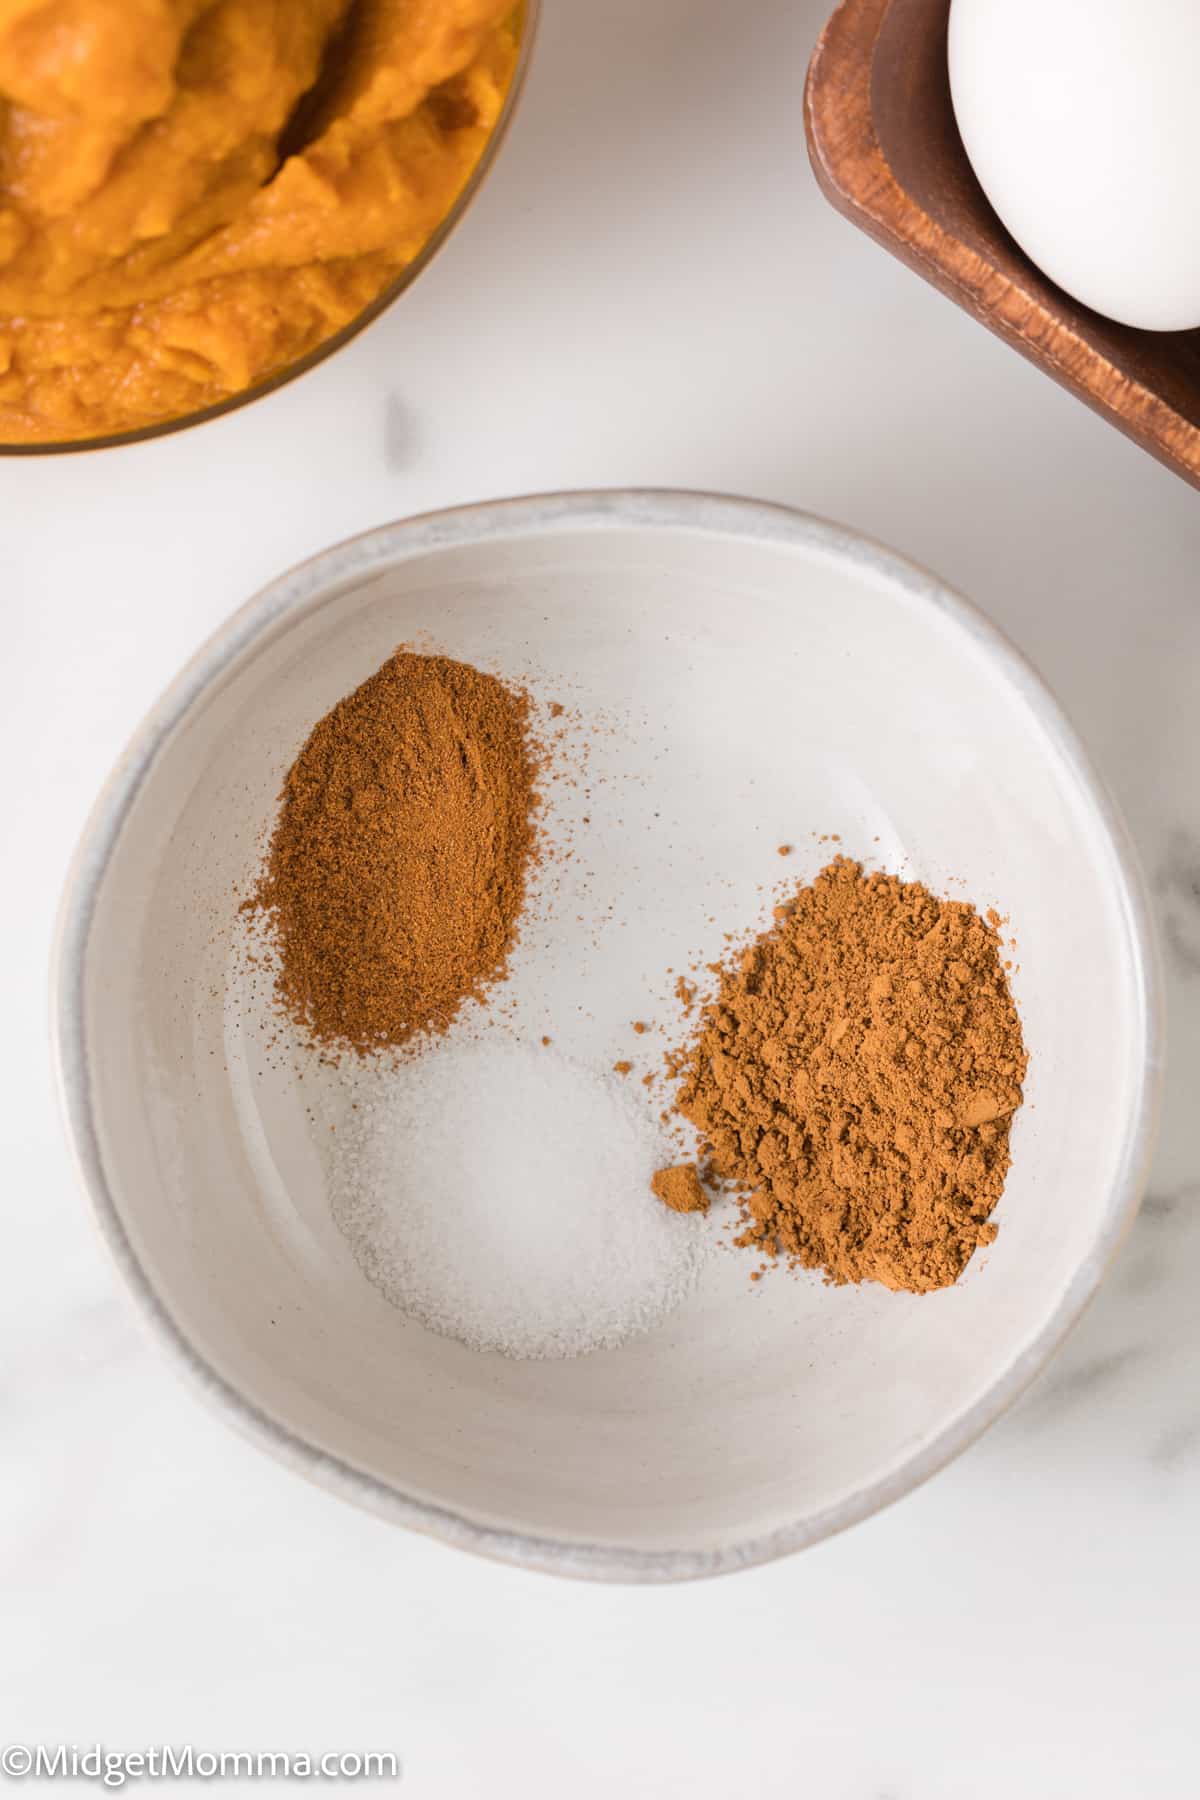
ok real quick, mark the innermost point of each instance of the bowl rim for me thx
(302, 590)
(528, 16)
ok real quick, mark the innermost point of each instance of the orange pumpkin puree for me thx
(195, 193)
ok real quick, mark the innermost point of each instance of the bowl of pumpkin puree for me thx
(201, 199)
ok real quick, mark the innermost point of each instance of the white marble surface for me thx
(650, 290)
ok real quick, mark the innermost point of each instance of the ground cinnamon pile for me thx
(397, 867)
(679, 1188)
(855, 1079)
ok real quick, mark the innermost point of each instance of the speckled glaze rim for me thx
(529, 12)
(302, 591)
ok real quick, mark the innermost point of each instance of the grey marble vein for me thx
(1178, 888)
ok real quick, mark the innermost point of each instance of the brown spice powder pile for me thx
(679, 1188)
(397, 867)
(856, 1076)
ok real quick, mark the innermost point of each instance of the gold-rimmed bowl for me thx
(528, 15)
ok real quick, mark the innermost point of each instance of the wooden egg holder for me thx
(887, 154)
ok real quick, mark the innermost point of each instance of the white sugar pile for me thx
(502, 1197)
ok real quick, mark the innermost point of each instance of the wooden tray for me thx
(887, 154)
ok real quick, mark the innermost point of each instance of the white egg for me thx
(1079, 117)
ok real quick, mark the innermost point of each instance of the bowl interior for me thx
(739, 691)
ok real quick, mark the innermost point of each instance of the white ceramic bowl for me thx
(776, 677)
